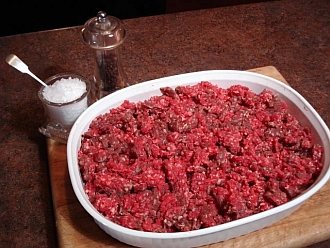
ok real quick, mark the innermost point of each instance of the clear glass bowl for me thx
(61, 116)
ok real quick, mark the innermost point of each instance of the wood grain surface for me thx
(76, 228)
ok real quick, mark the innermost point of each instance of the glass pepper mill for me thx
(105, 34)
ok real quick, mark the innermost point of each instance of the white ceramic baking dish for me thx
(225, 78)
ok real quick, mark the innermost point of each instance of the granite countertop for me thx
(291, 35)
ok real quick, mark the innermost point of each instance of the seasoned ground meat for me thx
(196, 157)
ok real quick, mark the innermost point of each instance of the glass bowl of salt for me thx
(64, 99)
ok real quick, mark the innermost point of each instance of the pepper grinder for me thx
(105, 34)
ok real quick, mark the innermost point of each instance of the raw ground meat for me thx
(196, 157)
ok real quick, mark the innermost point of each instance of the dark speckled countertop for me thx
(291, 35)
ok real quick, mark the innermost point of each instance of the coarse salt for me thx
(64, 90)
(65, 100)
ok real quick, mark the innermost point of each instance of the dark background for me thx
(32, 15)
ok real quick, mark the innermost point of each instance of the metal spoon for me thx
(15, 62)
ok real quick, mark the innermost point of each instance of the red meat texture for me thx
(195, 157)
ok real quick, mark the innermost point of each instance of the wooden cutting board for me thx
(76, 228)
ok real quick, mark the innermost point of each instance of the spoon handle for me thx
(36, 78)
(18, 64)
